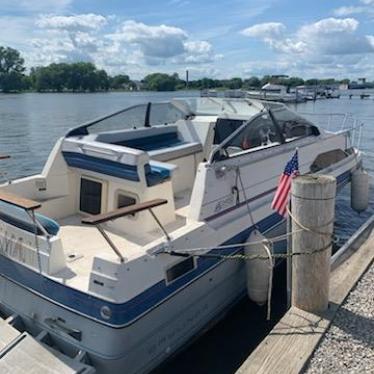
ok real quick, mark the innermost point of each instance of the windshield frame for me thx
(83, 129)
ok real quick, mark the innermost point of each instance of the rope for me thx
(312, 229)
(238, 245)
(240, 256)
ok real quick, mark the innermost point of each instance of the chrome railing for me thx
(340, 122)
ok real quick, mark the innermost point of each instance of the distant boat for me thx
(235, 94)
(208, 93)
(275, 92)
(332, 94)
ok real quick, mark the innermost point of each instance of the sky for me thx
(217, 39)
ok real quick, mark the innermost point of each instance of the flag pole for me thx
(289, 258)
(289, 252)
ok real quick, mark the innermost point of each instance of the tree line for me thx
(86, 77)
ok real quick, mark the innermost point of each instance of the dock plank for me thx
(27, 355)
(293, 340)
(7, 334)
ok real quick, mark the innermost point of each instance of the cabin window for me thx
(180, 269)
(260, 132)
(90, 196)
(292, 125)
(224, 128)
(125, 200)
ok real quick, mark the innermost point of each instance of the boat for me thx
(93, 249)
(331, 93)
(276, 92)
(208, 93)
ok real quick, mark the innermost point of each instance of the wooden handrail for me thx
(122, 212)
(19, 201)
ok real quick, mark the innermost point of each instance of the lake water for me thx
(31, 123)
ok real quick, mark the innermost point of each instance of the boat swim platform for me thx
(21, 353)
(290, 345)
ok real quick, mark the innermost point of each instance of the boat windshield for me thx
(141, 115)
(291, 124)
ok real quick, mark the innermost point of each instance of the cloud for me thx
(162, 43)
(264, 30)
(154, 41)
(329, 26)
(333, 36)
(199, 52)
(365, 8)
(69, 39)
(329, 36)
(328, 47)
(79, 22)
(128, 46)
(348, 10)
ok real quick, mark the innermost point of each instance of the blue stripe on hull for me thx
(127, 312)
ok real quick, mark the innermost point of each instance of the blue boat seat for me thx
(18, 217)
(158, 172)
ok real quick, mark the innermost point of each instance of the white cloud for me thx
(198, 52)
(329, 36)
(79, 22)
(264, 30)
(331, 46)
(348, 10)
(154, 41)
(159, 44)
(329, 26)
(130, 46)
(333, 36)
(68, 39)
(367, 8)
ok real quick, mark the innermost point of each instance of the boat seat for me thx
(19, 218)
(157, 172)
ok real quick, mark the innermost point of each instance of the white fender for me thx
(258, 271)
(360, 190)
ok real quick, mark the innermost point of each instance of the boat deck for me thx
(82, 243)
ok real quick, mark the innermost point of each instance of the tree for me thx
(312, 82)
(80, 76)
(234, 83)
(161, 82)
(120, 81)
(11, 69)
(252, 82)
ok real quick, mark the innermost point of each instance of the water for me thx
(30, 125)
(347, 221)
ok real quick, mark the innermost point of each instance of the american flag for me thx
(280, 200)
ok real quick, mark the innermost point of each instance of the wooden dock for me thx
(291, 343)
(21, 353)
